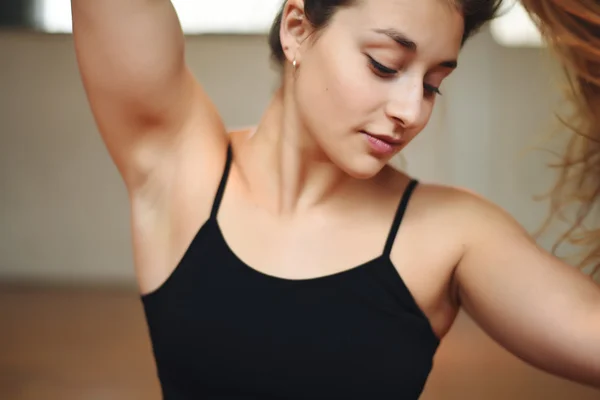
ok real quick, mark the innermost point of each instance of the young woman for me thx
(290, 261)
(572, 28)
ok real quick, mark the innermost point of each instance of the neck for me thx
(288, 168)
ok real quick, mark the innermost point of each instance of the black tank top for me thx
(222, 330)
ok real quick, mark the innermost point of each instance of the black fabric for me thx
(223, 330)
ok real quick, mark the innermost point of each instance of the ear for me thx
(295, 29)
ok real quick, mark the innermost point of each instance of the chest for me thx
(423, 253)
(236, 330)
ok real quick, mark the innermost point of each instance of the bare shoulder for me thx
(438, 207)
(440, 224)
(465, 219)
(437, 226)
(466, 208)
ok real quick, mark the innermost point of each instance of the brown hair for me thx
(572, 28)
(319, 12)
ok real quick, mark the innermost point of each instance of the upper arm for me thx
(131, 59)
(539, 308)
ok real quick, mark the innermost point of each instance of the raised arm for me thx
(131, 58)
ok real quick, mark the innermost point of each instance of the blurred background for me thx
(71, 320)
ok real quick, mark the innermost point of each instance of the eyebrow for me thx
(410, 44)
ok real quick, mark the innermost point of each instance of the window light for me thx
(515, 28)
(196, 16)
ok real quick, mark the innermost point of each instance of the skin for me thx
(306, 174)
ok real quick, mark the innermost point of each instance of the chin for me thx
(364, 167)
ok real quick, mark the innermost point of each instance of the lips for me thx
(392, 141)
(381, 145)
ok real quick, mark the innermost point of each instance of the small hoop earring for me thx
(294, 63)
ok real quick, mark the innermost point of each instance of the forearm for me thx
(595, 351)
(581, 357)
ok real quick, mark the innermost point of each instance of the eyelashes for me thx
(385, 72)
(380, 68)
(432, 89)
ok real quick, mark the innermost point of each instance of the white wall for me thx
(63, 209)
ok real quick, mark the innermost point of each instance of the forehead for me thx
(436, 26)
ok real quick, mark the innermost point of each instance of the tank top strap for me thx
(222, 184)
(399, 215)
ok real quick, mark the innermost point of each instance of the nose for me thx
(405, 103)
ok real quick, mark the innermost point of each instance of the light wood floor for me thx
(92, 344)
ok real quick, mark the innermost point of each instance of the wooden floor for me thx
(84, 344)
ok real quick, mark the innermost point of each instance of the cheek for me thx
(355, 90)
(339, 90)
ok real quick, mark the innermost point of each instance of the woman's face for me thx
(366, 84)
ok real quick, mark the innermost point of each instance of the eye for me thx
(380, 69)
(431, 90)
(386, 72)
